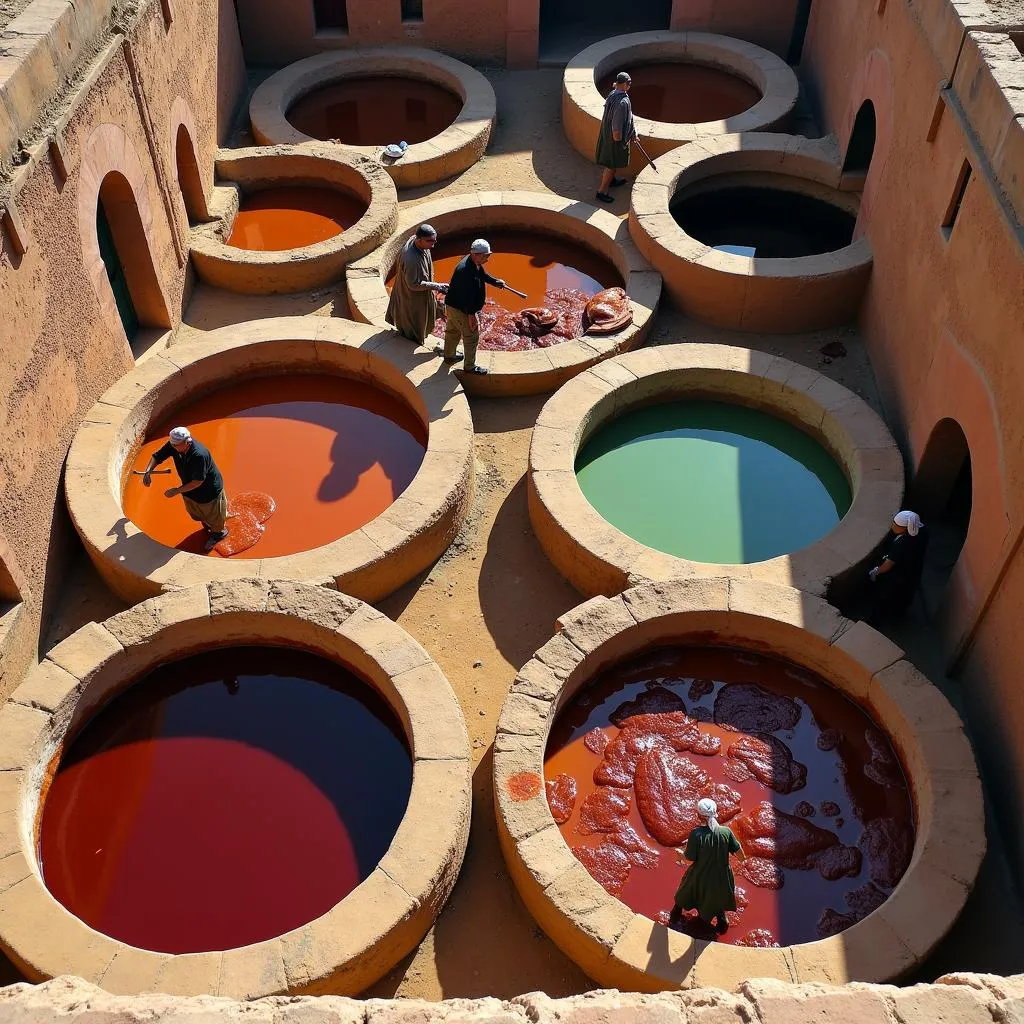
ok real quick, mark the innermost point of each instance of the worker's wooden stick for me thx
(646, 154)
(153, 472)
(516, 291)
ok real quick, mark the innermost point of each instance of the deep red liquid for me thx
(223, 800)
(834, 776)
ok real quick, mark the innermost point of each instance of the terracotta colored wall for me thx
(943, 312)
(61, 344)
(768, 24)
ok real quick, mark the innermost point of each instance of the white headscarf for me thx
(708, 809)
(911, 521)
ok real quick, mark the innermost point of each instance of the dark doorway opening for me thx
(330, 16)
(862, 141)
(796, 41)
(189, 179)
(568, 26)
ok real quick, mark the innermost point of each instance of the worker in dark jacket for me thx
(466, 296)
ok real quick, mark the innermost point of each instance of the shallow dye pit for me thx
(553, 272)
(223, 800)
(331, 451)
(811, 787)
(674, 92)
(712, 481)
(375, 110)
(769, 223)
(275, 219)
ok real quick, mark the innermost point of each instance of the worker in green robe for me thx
(708, 886)
(413, 305)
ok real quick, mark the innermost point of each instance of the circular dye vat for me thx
(332, 452)
(806, 781)
(275, 219)
(680, 93)
(375, 110)
(712, 481)
(553, 273)
(769, 223)
(223, 800)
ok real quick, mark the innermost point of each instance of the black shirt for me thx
(467, 291)
(194, 463)
(907, 555)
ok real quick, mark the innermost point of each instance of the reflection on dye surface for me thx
(332, 452)
(224, 799)
(809, 785)
(375, 111)
(773, 222)
(712, 481)
(288, 218)
(679, 93)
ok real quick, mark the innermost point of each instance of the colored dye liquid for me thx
(678, 93)
(840, 820)
(375, 111)
(224, 799)
(768, 223)
(289, 218)
(332, 452)
(712, 481)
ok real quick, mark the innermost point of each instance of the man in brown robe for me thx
(413, 305)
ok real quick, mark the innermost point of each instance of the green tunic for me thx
(708, 885)
(413, 306)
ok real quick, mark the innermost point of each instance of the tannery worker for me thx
(413, 305)
(617, 132)
(709, 886)
(467, 294)
(201, 487)
(896, 577)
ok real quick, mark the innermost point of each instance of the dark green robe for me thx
(708, 885)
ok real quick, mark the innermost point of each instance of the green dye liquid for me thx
(712, 482)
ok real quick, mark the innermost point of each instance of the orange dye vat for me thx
(375, 111)
(333, 453)
(806, 781)
(276, 219)
(678, 93)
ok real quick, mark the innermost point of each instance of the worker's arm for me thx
(160, 455)
(497, 282)
(411, 273)
(618, 121)
(887, 566)
(183, 488)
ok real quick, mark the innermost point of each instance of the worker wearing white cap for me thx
(201, 487)
(466, 296)
(897, 575)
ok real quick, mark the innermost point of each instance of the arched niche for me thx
(182, 141)
(861, 146)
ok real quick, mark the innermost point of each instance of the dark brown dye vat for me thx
(679, 93)
(806, 781)
(764, 222)
(376, 110)
(224, 799)
(289, 218)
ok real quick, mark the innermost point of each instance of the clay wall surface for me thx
(61, 340)
(943, 312)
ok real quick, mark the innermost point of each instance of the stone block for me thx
(190, 974)
(326, 609)
(778, 1003)
(594, 623)
(253, 972)
(651, 957)
(238, 596)
(133, 971)
(546, 856)
(86, 652)
(432, 716)
(523, 715)
(536, 679)
(144, 623)
(22, 730)
(46, 687)
(938, 1004)
(561, 656)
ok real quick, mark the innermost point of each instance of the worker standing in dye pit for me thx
(467, 294)
(617, 132)
(708, 886)
(895, 579)
(413, 305)
(201, 487)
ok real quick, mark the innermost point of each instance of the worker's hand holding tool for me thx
(516, 291)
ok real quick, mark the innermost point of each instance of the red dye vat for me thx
(553, 273)
(679, 93)
(332, 452)
(224, 799)
(290, 218)
(637, 743)
(375, 110)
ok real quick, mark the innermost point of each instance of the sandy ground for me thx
(493, 598)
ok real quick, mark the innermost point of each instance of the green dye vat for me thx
(712, 482)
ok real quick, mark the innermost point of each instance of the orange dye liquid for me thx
(375, 111)
(289, 218)
(853, 782)
(332, 452)
(677, 93)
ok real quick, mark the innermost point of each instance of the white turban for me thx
(910, 521)
(179, 435)
(708, 809)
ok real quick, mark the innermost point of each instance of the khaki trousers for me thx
(212, 514)
(457, 330)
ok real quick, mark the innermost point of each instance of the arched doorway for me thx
(942, 494)
(568, 26)
(126, 258)
(190, 181)
(862, 141)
